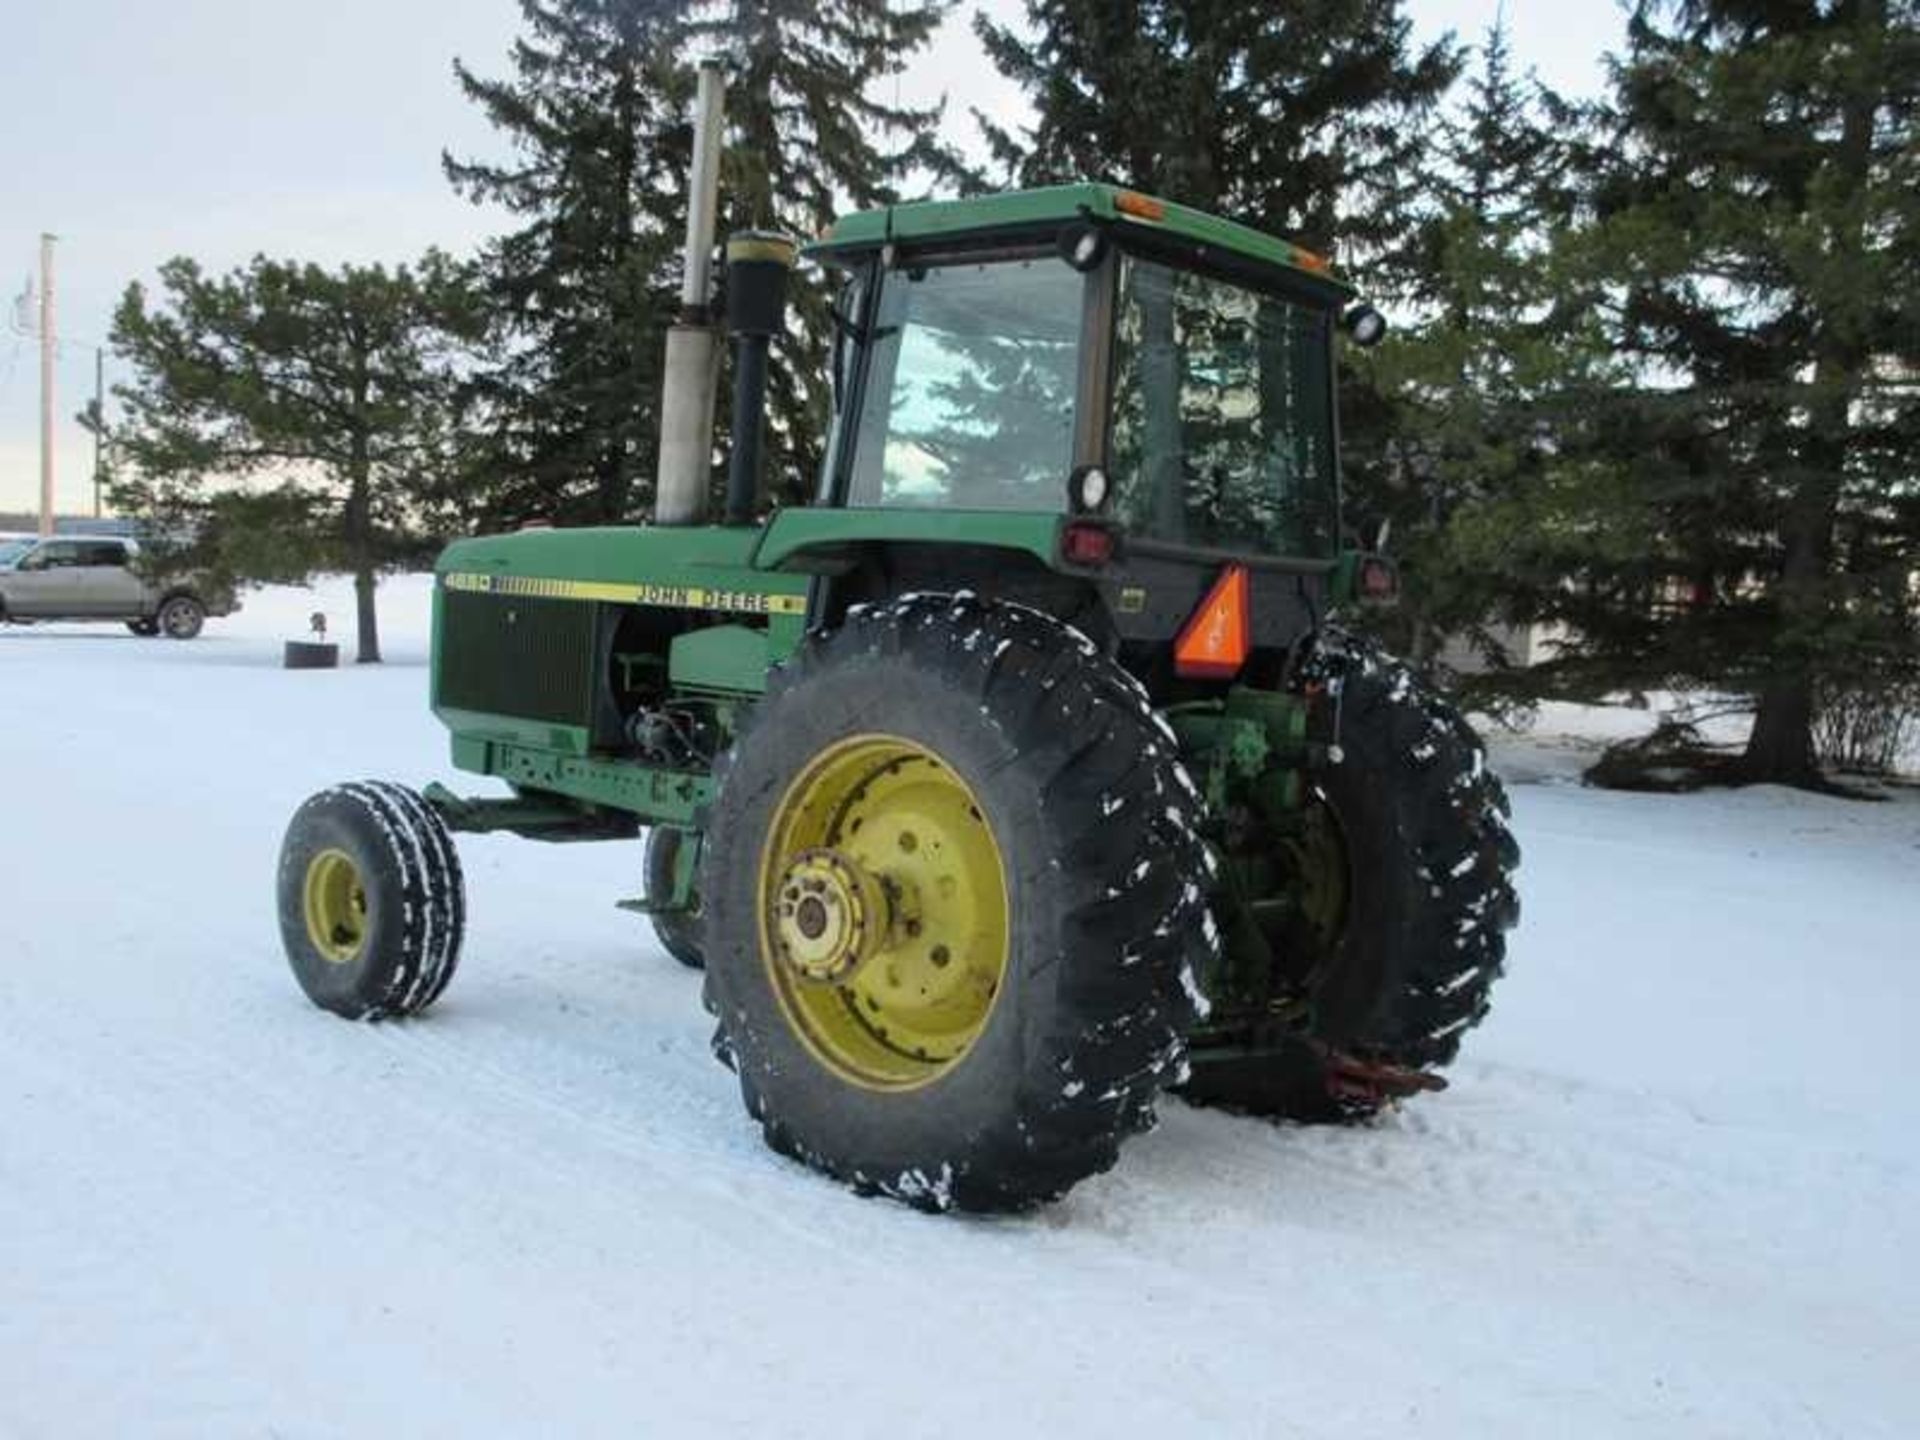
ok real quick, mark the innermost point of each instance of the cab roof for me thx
(1056, 205)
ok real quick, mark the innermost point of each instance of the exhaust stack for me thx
(693, 345)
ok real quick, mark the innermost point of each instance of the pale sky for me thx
(138, 130)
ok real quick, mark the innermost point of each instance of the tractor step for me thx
(641, 905)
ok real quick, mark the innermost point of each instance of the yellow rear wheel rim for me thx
(335, 901)
(883, 912)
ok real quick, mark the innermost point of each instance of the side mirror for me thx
(32, 560)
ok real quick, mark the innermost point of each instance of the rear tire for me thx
(1099, 927)
(1429, 863)
(678, 931)
(372, 903)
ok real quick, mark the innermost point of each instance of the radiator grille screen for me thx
(513, 655)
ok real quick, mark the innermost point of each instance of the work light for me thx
(1366, 325)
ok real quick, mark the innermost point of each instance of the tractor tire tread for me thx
(406, 855)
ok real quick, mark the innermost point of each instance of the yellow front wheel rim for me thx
(883, 912)
(335, 901)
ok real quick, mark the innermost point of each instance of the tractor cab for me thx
(1120, 395)
(1091, 352)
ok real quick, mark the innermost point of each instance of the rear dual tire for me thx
(1428, 877)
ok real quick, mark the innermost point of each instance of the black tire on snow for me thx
(678, 931)
(309, 655)
(1096, 820)
(145, 629)
(415, 900)
(1430, 897)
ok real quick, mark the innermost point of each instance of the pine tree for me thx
(583, 290)
(1759, 230)
(1484, 384)
(284, 418)
(1306, 120)
(812, 133)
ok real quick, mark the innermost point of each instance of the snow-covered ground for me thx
(1672, 1191)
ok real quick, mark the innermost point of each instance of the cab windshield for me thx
(12, 550)
(970, 387)
(1219, 401)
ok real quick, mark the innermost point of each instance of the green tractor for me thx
(1021, 776)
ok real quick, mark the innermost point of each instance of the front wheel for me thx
(678, 931)
(182, 617)
(955, 906)
(372, 905)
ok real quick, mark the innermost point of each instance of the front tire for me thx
(955, 906)
(678, 931)
(1407, 862)
(372, 904)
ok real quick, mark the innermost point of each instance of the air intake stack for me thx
(758, 264)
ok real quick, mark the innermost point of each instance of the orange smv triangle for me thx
(1214, 642)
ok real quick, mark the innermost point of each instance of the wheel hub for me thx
(830, 916)
(1320, 878)
(334, 899)
(884, 912)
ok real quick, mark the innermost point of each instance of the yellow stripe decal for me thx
(667, 597)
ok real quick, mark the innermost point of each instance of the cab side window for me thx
(60, 554)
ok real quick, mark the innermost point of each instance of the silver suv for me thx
(90, 577)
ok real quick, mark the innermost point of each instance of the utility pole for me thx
(46, 384)
(99, 420)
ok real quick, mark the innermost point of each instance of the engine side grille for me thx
(517, 655)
